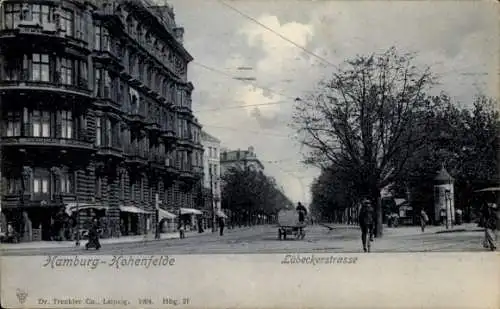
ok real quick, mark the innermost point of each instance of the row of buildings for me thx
(96, 119)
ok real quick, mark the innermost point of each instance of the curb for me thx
(139, 240)
(459, 231)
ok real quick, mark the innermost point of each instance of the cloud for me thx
(458, 39)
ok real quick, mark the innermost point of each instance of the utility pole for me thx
(212, 199)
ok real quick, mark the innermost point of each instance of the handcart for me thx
(288, 224)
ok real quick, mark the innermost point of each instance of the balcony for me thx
(109, 56)
(156, 161)
(185, 142)
(135, 156)
(198, 170)
(183, 110)
(108, 11)
(45, 30)
(30, 199)
(27, 85)
(49, 29)
(61, 143)
(169, 134)
(106, 97)
(113, 152)
(187, 174)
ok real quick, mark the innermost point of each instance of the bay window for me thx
(40, 67)
(67, 124)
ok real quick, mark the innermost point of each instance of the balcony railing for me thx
(79, 89)
(47, 141)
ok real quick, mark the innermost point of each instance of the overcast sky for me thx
(458, 39)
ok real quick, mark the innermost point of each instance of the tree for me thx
(248, 194)
(367, 120)
(465, 140)
(330, 201)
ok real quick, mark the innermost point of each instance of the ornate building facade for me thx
(96, 116)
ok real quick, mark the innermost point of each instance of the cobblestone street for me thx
(263, 239)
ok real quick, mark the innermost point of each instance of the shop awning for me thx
(190, 211)
(73, 206)
(492, 189)
(221, 214)
(165, 214)
(134, 210)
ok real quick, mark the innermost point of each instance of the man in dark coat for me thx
(366, 222)
(94, 235)
(302, 211)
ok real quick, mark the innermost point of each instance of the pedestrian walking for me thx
(424, 219)
(221, 226)
(93, 236)
(366, 223)
(491, 222)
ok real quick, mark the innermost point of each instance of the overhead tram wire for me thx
(214, 70)
(249, 131)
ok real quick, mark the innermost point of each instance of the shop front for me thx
(166, 220)
(134, 220)
(189, 218)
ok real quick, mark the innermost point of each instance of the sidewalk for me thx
(107, 241)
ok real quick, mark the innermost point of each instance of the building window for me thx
(12, 14)
(98, 131)
(97, 82)
(98, 35)
(67, 71)
(109, 132)
(122, 186)
(66, 183)
(67, 124)
(41, 13)
(41, 124)
(66, 22)
(40, 67)
(13, 123)
(142, 190)
(132, 190)
(40, 185)
(98, 185)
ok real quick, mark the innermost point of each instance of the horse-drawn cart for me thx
(288, 224)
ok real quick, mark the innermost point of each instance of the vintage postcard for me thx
(249, 154)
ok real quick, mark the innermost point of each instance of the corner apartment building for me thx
(240, 159)
(95, 116)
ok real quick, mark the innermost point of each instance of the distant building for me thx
(240, 159)
(212, 171)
